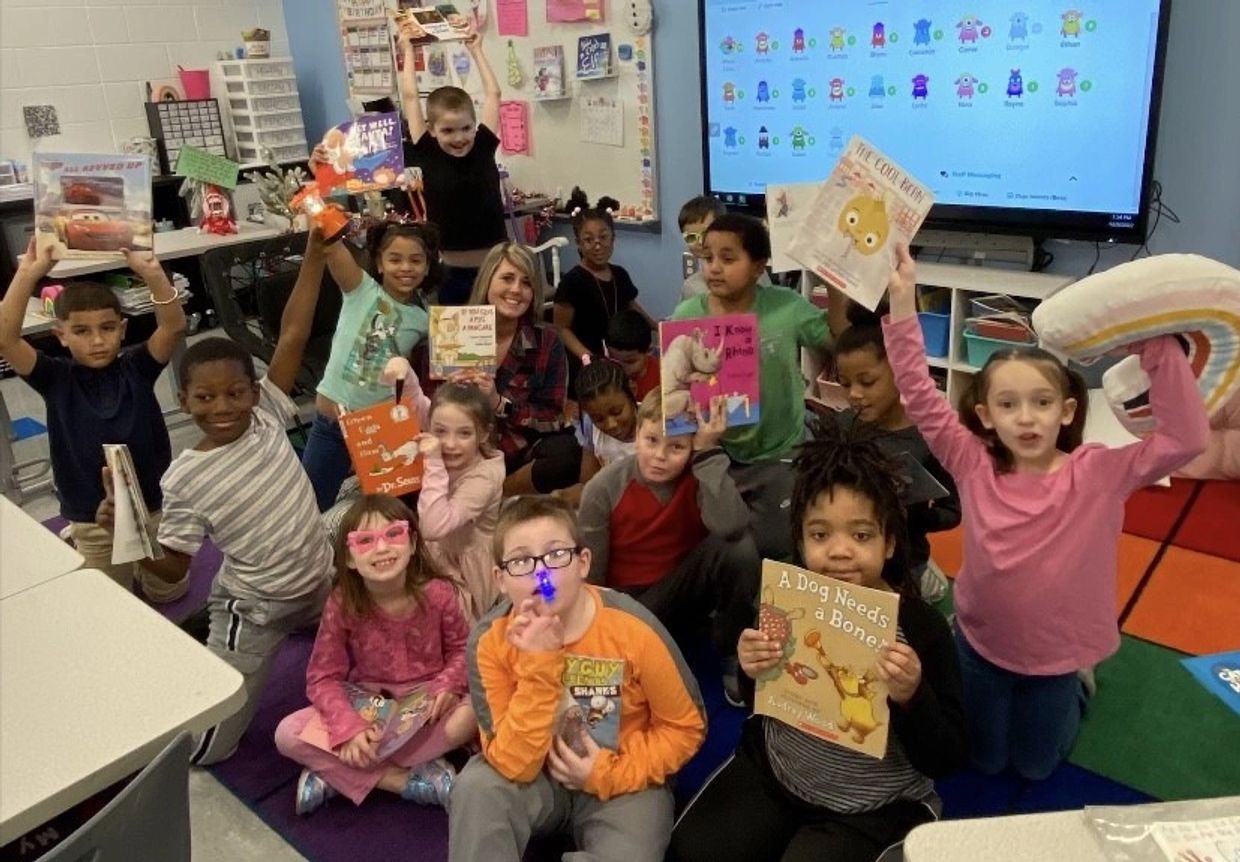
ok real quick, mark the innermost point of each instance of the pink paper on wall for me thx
(514, 127)
(512, 17)
(575, 10)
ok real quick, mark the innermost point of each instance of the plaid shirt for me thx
(534, 378)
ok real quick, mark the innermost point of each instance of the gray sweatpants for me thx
(493, 818)
(246, 632)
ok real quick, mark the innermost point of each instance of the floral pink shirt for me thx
(382, 651)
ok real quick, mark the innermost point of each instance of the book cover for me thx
(462, 337)
(381, 445)
(848, 235)
(431, 24)
(363, 155)
(88, 205)
(594, 56)
(591, 701)
(133, 532)
(825, 684)
(549, 72)
(707, 357)
(1220, 674)
(786, 206)
(400, 718)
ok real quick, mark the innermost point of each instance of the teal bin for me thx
(934, 329)
(978, 349)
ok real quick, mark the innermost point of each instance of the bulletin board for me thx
(600, 135)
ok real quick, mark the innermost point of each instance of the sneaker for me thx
(430, 783)
(312, 792)
(732, 683)
(1089, 684)
(933, 582)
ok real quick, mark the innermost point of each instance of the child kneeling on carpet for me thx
(1035, 599)
(392, 624)
(585, 706)
(787, 795)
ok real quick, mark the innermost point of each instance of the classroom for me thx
(619, 429)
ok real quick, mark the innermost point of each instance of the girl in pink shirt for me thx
(1035, 599)
(391, 624)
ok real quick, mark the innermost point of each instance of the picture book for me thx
(825, 683)
(89, 205)
(594, 56)
(400, 718)
(363, 155)
(707, 357)
(1220, 674)
(462, 337)
(133, 531)
(849, 233)
(591, 701)
(431, 24)
(549, 72)
(381, 445)
(1198, 840)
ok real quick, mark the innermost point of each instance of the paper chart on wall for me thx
(514, 126)
(512, 17)
(575, 10)
(601, 121)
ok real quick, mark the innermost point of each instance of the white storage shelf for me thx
(263, 108)
(965, 284)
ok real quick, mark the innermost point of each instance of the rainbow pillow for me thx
(1187, 295)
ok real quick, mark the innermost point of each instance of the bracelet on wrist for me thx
(176, 297)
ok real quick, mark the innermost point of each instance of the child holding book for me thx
(381, 316)
(552, 760)
(460, 178)
(392, 624)
(667, 526)
(243, 487)
(788, 795)
(1035, 598)
(590, 294)
(629, 338)
(462, 483)
(862, 367)
(99, 394)
(735, 251)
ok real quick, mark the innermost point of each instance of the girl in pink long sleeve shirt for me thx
(1035, 599)
(391, 624)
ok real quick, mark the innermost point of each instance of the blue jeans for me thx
(1026, 722)
(326, 460)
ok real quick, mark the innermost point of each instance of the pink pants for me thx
(427, 744)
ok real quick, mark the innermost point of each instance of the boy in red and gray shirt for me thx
(668, 526)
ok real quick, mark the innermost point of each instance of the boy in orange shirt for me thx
(584, 704)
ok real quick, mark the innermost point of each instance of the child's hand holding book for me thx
(757, 653)
(902, 284)
(36, 263)
(567, 766)
(900, 668)
(710, 431)
(360, 752)
(105, 515)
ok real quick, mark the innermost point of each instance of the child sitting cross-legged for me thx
(667, 525)
(585, 705)
(391, 624)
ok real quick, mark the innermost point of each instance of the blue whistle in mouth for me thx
(545, 588)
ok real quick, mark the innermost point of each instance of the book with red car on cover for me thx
(88, 205)
(381, 445)
(399, 717)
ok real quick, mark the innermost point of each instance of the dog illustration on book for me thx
(856, 691)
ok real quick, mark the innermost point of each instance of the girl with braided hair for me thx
(788, 796)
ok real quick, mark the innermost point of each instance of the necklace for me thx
(608, 310)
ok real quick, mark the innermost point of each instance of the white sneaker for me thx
(933, 583)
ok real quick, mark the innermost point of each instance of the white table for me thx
(1059, 836)
(169, 245)
(95, 684)
(30, 554)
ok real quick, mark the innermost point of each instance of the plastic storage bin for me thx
(978, 349)
(934, 330)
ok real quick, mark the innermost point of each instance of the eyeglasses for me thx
(395, 533)
(596, 240)
(556, 558)
(693, 237)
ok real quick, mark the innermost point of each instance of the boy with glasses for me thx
(584, 704)
(695, 217)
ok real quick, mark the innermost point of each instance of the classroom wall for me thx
(1196, 151)
(91, 59)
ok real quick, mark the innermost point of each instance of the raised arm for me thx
(170, 322)
(298, 316)
(491, 93)
(33, 266)
(410, 103)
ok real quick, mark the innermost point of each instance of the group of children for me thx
(545, 629)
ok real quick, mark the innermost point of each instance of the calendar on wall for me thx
(187, 123)
(366, 39)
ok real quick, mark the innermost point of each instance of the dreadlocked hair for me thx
(599, 376)
(848, 456)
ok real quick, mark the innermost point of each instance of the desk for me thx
(1059, 835)
(30, 554)
(169, 245)
(95, 684)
